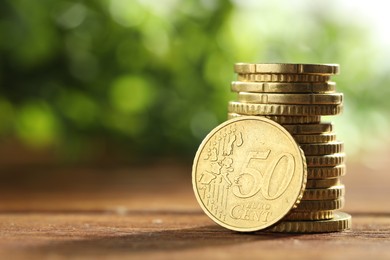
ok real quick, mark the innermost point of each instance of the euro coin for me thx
(282, 78)
(304, 99)
(248, 173)
(331, 193)
(327, 69)
(326, 172)
(340, 222)
(315, 138)
(325, 160)
(283, 87)
(286, 119)
(285, 110)
(322, 183)
(310, 215)
(323, 148)
(311, 205)
(309, 128)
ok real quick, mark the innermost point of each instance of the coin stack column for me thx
(296, 96)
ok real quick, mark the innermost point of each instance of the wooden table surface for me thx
(150, 212)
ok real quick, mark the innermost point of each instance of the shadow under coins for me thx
(165, 240)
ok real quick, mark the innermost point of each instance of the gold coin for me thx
(322, 183)
(284, 87)
(248, 173)
(326, 172)
(322, 148)
(304, 99)
(286, 119)
(282, 78)
(341, 221)
(316, 138)
(327, 69)
(309, 215)
(309, 129)
(311, 205)
(325, 160)
(331, 193)
(285, 110)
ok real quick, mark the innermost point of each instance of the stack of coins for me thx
(296, 96)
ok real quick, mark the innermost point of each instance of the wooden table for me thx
(150, 212)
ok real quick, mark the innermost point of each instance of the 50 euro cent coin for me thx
(248, 173)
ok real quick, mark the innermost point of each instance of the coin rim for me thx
(283, 87)
(327, 172)
(320, 183)
(284, 120)
(316, 161)
(293, 68)
(311, 205)
(290, 98)
(331, 193)
(322, 148)
(282, 77)
(309, 215)
(340, 222)
(256, 109)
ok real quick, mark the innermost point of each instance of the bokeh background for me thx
(140, 80)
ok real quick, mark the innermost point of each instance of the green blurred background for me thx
(143, 80)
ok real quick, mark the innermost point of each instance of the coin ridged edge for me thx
(303, 187)
(327, 69)
(325, 160)
(315, 138)
(322, 148)
(276, 109)
(285, 77)
(283, 87)
(326, 172)
(310, 205)
(322, 183)
(334, 192)
(309, 128)
(341, 221)
(310, 215)
(287, 98)
(286, 119)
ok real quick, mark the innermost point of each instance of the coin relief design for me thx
(248, 173)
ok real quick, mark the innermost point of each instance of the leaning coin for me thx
(304, 99)
(341, 221)
(286, 119)
(248, 173)
(285, 110)
(327, 69)
(283, 87)
(282, 78)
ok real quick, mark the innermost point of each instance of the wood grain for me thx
(150, 212)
